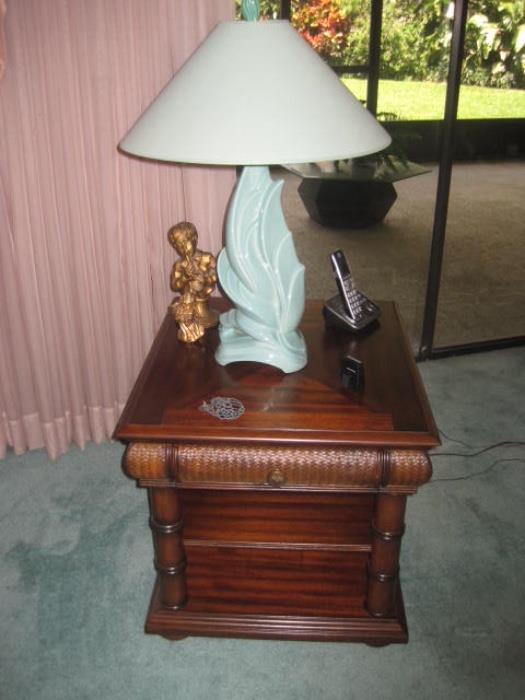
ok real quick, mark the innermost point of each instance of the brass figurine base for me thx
(208, 317)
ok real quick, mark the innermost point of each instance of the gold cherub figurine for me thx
(194, 276)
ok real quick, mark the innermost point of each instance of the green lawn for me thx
(412, 100)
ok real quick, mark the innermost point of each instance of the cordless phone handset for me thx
(349, 308)
(345, 283)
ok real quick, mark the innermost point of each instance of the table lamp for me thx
(254, 94)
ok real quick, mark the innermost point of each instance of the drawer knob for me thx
(276, 477)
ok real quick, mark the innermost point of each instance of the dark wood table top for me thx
(304, 407)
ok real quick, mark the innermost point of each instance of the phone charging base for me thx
(335, 315)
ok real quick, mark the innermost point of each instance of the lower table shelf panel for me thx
(276, 594)
(245, 580)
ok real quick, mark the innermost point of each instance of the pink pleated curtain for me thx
(84, 260)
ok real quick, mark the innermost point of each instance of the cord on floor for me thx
(487, 448)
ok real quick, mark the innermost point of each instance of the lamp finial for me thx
(250, 10)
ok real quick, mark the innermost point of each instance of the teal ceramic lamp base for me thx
(259, 271)
(287, 352)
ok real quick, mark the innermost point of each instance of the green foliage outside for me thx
(426, 100)
(417, 33)
(416, 37)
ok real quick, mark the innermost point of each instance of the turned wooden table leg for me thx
(383, 571)
(170, 558)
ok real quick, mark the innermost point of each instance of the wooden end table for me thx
(286, 522)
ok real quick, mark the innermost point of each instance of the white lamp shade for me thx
(254, 93)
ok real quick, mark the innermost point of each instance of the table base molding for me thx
(177, 624)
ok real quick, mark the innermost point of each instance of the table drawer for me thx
(280, 467)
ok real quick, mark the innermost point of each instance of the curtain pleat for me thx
(84, 260)
(2, 37)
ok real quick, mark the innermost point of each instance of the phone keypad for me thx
(354, 299)
(355, 302)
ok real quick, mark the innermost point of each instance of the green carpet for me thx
(76, 574)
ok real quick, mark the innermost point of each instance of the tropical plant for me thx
(324, 25)
(391, 159)
(495, 43)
